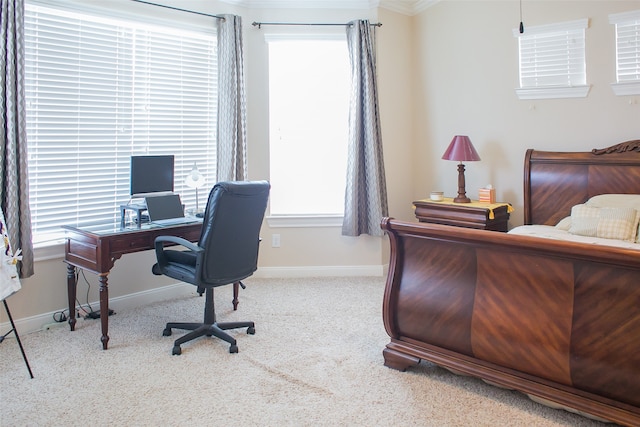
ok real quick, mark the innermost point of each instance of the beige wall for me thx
(467, 69)
(451, 69)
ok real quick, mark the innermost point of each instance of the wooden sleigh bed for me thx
(557, 320)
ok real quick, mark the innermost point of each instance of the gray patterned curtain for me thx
(366, 192)
(13, 153)
(232, 133)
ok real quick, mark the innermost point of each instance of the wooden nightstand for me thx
(483, 216)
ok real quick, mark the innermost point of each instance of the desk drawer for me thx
(141, 242)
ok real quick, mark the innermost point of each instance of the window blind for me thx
(553, 55)
(627, 46)
(100, 90)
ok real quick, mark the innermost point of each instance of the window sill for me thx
(553, 92)
(629, 88)
(288, 221)
(48, 250)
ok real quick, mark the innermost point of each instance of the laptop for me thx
(167, 210)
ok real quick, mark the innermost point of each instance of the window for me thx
(627, 52)
(99, 90)
(552, 61)
(308, 116)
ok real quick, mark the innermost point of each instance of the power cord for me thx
(89, 313)
(80, 307)
(60, 316)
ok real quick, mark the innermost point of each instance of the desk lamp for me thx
(461, 150)
(195, 180)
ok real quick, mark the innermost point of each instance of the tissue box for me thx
(487, 195)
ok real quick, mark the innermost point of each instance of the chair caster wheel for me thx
(251, 330)
(177, 351)
(166, 332)
(233, 348)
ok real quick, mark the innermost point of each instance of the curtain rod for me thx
(181, 10)
(260, 24)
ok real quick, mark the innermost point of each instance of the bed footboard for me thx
(559, 321)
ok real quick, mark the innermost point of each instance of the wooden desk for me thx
(483, 216)
(96, 249)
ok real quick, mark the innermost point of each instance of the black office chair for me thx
(226, 253)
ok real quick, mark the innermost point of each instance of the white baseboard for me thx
(126, 302)
(131, 301)
(320, 271)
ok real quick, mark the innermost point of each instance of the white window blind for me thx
(553, 57)
(627, 27)
(100, 90)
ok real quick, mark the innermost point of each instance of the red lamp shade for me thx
(461, 149)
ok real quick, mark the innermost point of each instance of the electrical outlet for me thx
(275, 240)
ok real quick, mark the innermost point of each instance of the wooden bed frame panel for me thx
(556, 181)
(559, 321)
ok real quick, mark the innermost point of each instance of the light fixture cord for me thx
(521, 24)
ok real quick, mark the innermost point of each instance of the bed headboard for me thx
(556, 181)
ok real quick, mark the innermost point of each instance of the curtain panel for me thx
(232, 133)
(366, 192)
(13, 134)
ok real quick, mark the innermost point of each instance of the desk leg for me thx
(71, 295)
(104, 309)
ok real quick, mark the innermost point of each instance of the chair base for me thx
(201, 329)
(209, 327)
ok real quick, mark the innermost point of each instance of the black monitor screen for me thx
(151, 174)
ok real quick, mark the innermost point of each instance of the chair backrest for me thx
(231, 230)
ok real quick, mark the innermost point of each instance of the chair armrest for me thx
(160, 240)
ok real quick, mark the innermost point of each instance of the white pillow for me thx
(606, 222)
(564, 224)
(615, 201)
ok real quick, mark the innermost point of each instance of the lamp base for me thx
(462, 194)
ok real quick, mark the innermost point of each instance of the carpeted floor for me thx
(315, 360)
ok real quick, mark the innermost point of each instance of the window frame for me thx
(632, 19)
(315, 219)
(52, 238)
(577, 27)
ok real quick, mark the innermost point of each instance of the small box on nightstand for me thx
(487, 195)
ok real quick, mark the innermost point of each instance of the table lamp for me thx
(461, 149)
(195, 180)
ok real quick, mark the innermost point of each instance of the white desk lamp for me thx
(195, 180)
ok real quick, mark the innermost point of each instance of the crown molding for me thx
(405, 7)
(304, 4)
(408, 7)
(423, 5)
(402, 7)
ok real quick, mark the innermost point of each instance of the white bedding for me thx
(551, 232)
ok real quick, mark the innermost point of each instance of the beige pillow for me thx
(584, 220)
(606, 222)
(617, 201)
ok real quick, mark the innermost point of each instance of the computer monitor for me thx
(151, 175)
